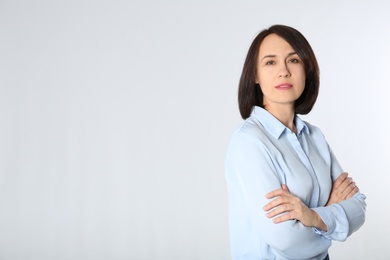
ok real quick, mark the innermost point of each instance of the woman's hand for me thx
(285, 206)
(343, 188)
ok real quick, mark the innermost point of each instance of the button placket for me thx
(296, 144)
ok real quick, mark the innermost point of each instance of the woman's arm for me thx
(342, 188)
(285, 206)
(250, 175)
(343, 214)
(342, 217)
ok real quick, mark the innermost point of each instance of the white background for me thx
(115, 117)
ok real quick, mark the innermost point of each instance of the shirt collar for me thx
(273, 125)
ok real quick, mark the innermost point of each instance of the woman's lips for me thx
(284, 86)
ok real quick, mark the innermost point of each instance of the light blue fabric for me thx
(262, 155)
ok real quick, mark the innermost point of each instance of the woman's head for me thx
(249, 92)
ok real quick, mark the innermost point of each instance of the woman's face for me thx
(280, 72)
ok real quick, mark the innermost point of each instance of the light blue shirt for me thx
(262, 155)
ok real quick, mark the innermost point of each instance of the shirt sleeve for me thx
(250, 175)
(346, 217)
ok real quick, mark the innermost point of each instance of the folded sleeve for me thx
(346, 217)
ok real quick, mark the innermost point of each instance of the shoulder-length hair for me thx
(250, 94)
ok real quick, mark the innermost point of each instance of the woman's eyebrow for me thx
(274, 55)
(291, 53)
(268, 56)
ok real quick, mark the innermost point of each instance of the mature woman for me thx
(288, 195)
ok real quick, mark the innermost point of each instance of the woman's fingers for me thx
(353, 189)
(275, 193)
(274, 203)
(283, 218)
(343, 188)
(279, 210)
(346, 188)
(340, 180)
(283, 205)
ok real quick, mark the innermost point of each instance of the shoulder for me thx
(250, 137)
(249, 145)
(250, 129)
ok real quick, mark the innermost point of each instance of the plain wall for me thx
(115, 117)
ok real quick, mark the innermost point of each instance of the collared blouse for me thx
(262, 155)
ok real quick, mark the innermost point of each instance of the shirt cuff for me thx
(329, 216)
(327, 219)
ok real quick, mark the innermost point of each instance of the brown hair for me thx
(250, 94)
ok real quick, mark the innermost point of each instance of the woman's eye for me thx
(294, 60)
(271, 62)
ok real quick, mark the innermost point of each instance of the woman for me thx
(288, 196)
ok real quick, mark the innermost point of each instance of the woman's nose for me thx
(284, 71)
